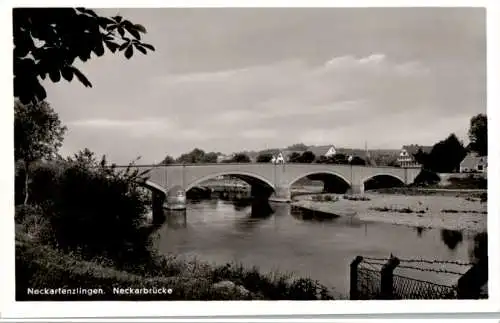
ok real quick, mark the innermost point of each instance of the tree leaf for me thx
(123, 46)
(129, 52)
(54, 75)
(99, 49)
(104, 21)
(111, 46)
(141, 49)
(140, 28)
(67, 73)
(121, 31)
(79, 75)
(117, 18)
(148, 46)
(133, 32)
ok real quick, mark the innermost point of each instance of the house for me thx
(278, 158)
(283, 156)
(474, 163)
(407, 154)
(326, 151)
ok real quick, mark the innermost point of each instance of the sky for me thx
(230, 80)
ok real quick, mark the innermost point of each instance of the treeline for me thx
(198, 156)
(446, 155)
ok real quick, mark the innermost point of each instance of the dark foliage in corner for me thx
(48, 40)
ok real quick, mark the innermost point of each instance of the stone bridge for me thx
(273, 180)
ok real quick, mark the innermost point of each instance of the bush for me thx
(94, 211)
(426, 177)
(44, 267)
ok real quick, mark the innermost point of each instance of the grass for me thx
(41, 266)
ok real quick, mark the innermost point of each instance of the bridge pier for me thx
(357, 189)
(176, 198)
(281, 194)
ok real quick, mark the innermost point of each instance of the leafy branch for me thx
(48, 40)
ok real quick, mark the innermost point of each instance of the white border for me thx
(9, 308)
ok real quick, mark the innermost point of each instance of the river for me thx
(273, 237)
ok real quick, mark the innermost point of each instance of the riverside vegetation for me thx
(84, 227)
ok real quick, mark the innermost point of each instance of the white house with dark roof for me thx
(283, 156)
(326, 151)
(407, 154)
(474, 163)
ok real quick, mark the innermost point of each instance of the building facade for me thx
(406, 158)
(473, 163)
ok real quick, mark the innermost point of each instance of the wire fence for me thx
(411, 288)
(376, 278)
(368, 284)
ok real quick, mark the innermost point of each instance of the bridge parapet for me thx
(275, 177)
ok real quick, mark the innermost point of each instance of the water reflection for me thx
(176, 219)
(241, 204)
(261, 210)
(277, 236)
(479, 249)
(258, 213)
(420, 231)
(451, 238)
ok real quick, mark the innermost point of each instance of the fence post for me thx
(469, 284)
(354, 293)
(386, 278)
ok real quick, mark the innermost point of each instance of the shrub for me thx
(95, 211)
(45, 267)
(427, 177)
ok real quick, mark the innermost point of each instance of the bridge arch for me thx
(320, 172)
(383, 174)
(153, 187)
(373, 181)
(241, 174)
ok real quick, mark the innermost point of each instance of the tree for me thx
(421, 157)
(84, 157)
(167, 160)
(241, 158)
(298, 147)
(210, 157)
(38, 134)
(307, 157)
(294, 157)
(446, 155)
(322, 159)
(356, 160)
(48, 40)
(264, 158)
(478, 134)
(193, 157)
(338, 159)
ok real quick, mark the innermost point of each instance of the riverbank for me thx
(40, 266)
(464, 213)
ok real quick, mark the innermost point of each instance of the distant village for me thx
(404, 157)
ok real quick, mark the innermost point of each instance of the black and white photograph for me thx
(241, 154)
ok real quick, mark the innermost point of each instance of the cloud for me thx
(337, 101)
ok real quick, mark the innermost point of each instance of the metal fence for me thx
(374, 278)
(411, 288)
